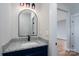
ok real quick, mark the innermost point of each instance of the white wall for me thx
(9, 21)
(10, 18)
(52, 29)
(62, 6)
(61, 24)
(66, 8)
(44, 21)
(4, 23)
(74, 8)
(62, 30)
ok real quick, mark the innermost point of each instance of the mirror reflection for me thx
(27, 23)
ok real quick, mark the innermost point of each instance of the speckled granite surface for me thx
(22, 43)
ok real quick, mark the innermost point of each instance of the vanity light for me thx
(21, 4)
(33, 5)
(27, 4)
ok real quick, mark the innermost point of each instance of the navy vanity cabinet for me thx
(37, 51)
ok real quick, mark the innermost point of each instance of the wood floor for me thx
(62, 52)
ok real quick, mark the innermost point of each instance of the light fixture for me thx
(21, 4)
(33, 5)
(27, 4)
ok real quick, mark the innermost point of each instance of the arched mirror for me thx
(27, 23)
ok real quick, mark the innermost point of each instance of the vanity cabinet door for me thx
(40, 51)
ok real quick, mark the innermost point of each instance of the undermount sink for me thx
(30, 44)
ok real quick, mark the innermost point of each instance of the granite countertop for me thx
(22, 43)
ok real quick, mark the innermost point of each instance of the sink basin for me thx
(30, 44)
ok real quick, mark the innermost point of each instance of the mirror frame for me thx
(19, 22)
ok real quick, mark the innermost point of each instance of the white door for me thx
(75, 32)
